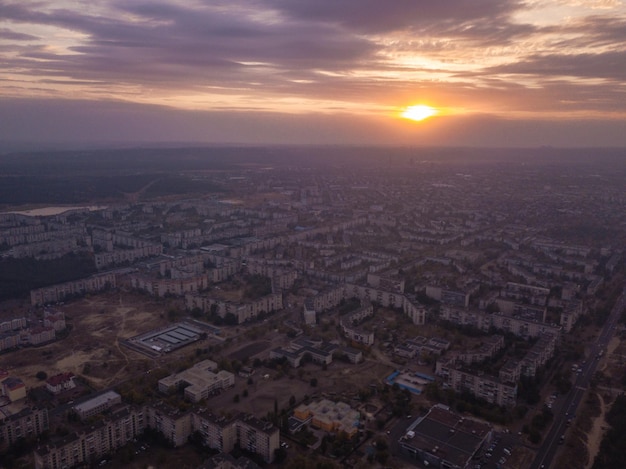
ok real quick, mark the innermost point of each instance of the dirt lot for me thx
(341, 381)
(93, 347)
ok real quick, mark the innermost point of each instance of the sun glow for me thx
(419, 112)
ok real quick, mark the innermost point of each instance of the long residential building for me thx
(133, 248)
(332, 297)
(489, 347)
(123, 423)
(242, 311)
(162, 287)
(249, 433)
(60, 291)
(489, 388)
(483, 321)
(349, 325)
(122, 256)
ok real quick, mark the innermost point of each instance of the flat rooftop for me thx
(448, 435)
(94, 402)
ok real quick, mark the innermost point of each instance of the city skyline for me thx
(495, 73)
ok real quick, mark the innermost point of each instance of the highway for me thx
(566, 407)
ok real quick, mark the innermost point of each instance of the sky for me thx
(495, 72)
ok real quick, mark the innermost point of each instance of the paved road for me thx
(567, 407)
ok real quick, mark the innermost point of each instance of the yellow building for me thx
(13, 388)
(332, 417)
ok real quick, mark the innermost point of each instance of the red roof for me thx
(60, 378)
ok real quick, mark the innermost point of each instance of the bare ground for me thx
(93, 347)
(594, 437)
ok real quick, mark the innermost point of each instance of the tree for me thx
(313, 382)
(236, 365)
(534, 436)
(41, 375)
(230, 319)
(280, 454)
(172, 315)
(382, 456)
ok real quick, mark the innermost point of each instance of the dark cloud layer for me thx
(470, 54)
(6, 33)
(374, 16)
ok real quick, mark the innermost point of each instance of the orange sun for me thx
(419, 112)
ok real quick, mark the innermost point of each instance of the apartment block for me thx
(121, 256)
(572, 310)
(173, 424)
(29, 422)
(448, 297)
(257, 436)
(10, 340)
(224, 433)
(489, 388)
(162, 287)
(40, 335)
(484, 321)
(13, 324)
(539, 354)
(88, 445)
(242, 311)
(387, 283)
(309, 313)
(218, 432)
(60, 291)
(54, 319)
(487, 349)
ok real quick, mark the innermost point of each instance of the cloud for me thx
(6, 33)
(373, 16)
(169, 44)
(318, 57)
(608, 65)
